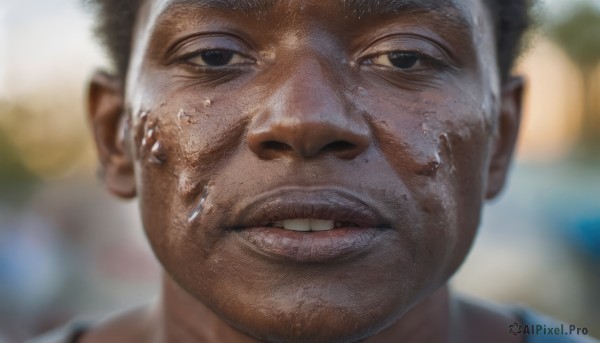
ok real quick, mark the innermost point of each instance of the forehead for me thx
(452, 12)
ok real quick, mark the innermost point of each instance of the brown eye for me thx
(403, 60)
(217, 58)
(398, 59)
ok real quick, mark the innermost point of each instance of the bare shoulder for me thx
(486, 322)
(133, 325)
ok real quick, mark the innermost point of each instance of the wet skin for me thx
(391, 121)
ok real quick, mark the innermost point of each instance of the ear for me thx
(107, 118)
(506, 136)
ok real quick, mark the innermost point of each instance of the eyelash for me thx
(233, 56)
(433, 62)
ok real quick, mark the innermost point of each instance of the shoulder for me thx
(487, 322)
(69, 333)
(132, 325)
(127, 326)
(482, 321)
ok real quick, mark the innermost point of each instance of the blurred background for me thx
(68, 249)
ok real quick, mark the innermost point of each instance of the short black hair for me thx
(115, 20)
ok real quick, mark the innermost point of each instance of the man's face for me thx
(382, 123)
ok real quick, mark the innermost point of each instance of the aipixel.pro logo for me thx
(545, 330)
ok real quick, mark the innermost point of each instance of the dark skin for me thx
(391, 123)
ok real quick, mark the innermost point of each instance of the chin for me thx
(314, 316)
(316, 328)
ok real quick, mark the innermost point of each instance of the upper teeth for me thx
(305, 224)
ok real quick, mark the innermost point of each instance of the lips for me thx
(309, 225)
(308, 203)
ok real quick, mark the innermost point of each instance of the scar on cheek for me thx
(431, 167)
(184, 117)
(147, 140)
(445, 151)
(190, 183)
(187, 118)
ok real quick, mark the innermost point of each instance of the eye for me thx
(217, 58)
(399, 59)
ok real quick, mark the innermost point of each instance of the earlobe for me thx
(506, 136)
(106, 115)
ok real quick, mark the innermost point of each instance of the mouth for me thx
(310, 224)
(307, 225)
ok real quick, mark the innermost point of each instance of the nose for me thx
(308, 116)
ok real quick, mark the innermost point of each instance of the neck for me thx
(182, 318)
(428, 321)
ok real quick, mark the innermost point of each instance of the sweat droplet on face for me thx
(450, 155)
(143, 114)
(140, 130)
(199, 208)
(158, 154)
(150, 147)
(148, 137)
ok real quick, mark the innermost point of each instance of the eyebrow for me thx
(358, 8)
(245, 6)
(382, 7)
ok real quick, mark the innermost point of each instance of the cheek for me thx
(178, 151)
(437, 145)
(184, 143)
(453, 198)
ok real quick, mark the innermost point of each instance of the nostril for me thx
(339, 146)
(277, 146)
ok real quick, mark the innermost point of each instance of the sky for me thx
(44, 41)
(3, 43)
